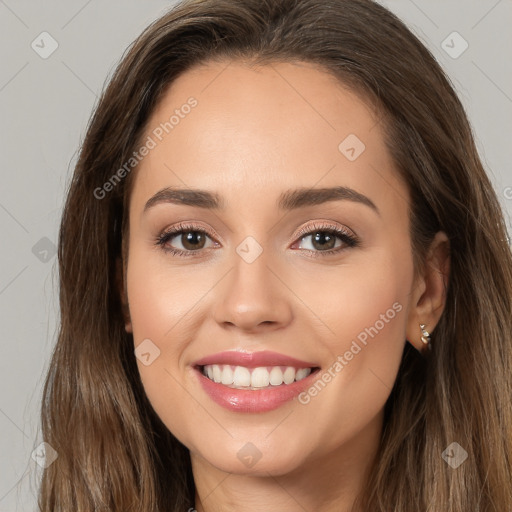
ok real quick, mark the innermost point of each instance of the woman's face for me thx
(294, 259)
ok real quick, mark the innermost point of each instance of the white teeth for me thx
(254, 378)
(241, 377)
(276, 376)
(289, 375)
(217, 374)
(260, 378)
(227, 375)
(302, 373)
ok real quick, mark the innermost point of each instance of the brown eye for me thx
(184, 240)
(326, 240)
(193, 240)
(323, 240)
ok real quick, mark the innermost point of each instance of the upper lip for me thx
(253, 359)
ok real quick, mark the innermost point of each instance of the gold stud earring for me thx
(426, 336)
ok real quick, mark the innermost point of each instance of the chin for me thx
(248, 458)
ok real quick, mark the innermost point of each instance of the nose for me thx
(253, 297)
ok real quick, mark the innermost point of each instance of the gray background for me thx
(45, 105)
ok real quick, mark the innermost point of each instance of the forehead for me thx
(233, 128)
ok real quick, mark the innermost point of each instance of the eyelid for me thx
(348, 237)
(183, 227)
(324, 226)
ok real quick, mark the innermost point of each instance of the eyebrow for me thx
(288, 200)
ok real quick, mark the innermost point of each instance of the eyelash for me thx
(345, 236)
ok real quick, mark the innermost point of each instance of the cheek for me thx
(366, 308)
(162, 297)
(162, 304)
(360, 301)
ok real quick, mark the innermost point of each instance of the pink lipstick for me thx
(253, 381)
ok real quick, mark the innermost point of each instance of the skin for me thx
(256, 132)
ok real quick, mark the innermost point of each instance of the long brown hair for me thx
(114, 452)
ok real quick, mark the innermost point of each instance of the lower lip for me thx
(258, 400)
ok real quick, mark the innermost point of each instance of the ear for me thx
(121, 288)
(429, 295)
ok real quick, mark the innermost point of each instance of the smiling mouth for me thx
(262, 377)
